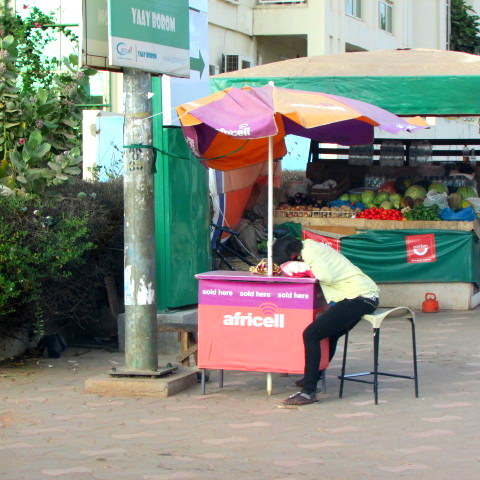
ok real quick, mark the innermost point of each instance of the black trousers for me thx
(333, 323)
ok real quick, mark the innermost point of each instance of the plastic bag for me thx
(296, 269)
(435, 198)
(465, 215)
(475, 204)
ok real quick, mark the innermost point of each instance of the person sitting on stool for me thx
(350, 293)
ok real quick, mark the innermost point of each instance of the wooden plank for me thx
(184, 345)
(364, 224)
(184, 355)
(334, 229)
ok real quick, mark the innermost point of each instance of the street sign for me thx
(150, 35)
(94, 35)
(176, 91)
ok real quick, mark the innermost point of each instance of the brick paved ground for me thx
(50, 428)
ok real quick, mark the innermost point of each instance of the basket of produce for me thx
(291, 211)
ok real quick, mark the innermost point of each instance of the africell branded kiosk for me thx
(254, 322)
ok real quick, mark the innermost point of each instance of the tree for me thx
(464, 36)
(40, 113)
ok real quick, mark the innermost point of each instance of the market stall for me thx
(242, 127)
(407, 82)
(383, 208)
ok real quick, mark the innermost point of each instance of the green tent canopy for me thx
(405, 82)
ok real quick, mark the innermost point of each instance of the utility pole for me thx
(140, 285)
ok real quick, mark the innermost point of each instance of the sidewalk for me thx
(49, 428)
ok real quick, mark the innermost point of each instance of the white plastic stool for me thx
(376, 318)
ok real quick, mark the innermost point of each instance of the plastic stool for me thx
(376, 318)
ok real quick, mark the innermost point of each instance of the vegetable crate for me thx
(313, 214)
(328, 194)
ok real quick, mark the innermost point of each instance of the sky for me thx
(297, 156)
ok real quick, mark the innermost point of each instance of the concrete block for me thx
(450, 296)
(167, 342)
(161, 387)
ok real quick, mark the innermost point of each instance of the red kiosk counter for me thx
(254, 322)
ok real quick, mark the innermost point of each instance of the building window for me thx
(354, 8)
(385, 14)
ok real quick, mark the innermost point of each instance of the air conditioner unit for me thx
(213, 69)
(235, 62)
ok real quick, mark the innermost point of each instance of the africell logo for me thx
(269, 320)
(243, 131)
(123, 49)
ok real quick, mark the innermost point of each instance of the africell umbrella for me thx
(238, 127)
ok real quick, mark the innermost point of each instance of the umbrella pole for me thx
(270, 207)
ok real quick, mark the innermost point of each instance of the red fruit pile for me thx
(379, 213)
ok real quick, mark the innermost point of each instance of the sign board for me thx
(149, 35)
(94, 35)
(176, 91)
(421, 248)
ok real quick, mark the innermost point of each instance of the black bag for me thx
(54, 343)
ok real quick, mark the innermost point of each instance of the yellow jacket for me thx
(338, 277)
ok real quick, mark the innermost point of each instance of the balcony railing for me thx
(279, 2)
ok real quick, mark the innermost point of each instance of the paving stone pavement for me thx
(50, 428)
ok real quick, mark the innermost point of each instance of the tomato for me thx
(379, 213)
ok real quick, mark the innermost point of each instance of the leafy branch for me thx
(464, 36)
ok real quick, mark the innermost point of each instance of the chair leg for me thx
(376, 342)
(220, 379)
(344, 361)
(415, 370)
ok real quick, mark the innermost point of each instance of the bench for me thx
(187, 335)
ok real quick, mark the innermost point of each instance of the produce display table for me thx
(407, 258)
(365, 224)
(254, 322)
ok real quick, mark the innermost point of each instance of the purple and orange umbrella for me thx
(237, 127)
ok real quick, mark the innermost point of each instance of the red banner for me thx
(421, 248)
(331, 242)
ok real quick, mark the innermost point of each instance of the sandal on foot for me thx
(300, 398)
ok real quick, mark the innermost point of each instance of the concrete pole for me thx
(140, 297)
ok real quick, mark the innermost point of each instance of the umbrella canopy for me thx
(245, 126)
(230, 129)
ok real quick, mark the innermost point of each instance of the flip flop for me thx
(300, 398)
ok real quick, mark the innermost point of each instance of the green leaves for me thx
(40, 123)
(35, 148)
(7, 41)
(464, 36)
(39, 244)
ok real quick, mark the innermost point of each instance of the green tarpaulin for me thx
(382, 254)
(405, 82)
(385, 255)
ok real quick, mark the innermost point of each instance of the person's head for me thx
(285, 249)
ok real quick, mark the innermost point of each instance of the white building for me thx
(245, 33)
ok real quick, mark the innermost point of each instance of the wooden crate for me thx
(365, 224)
(343, 184)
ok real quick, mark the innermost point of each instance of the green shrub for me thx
(36, 250)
